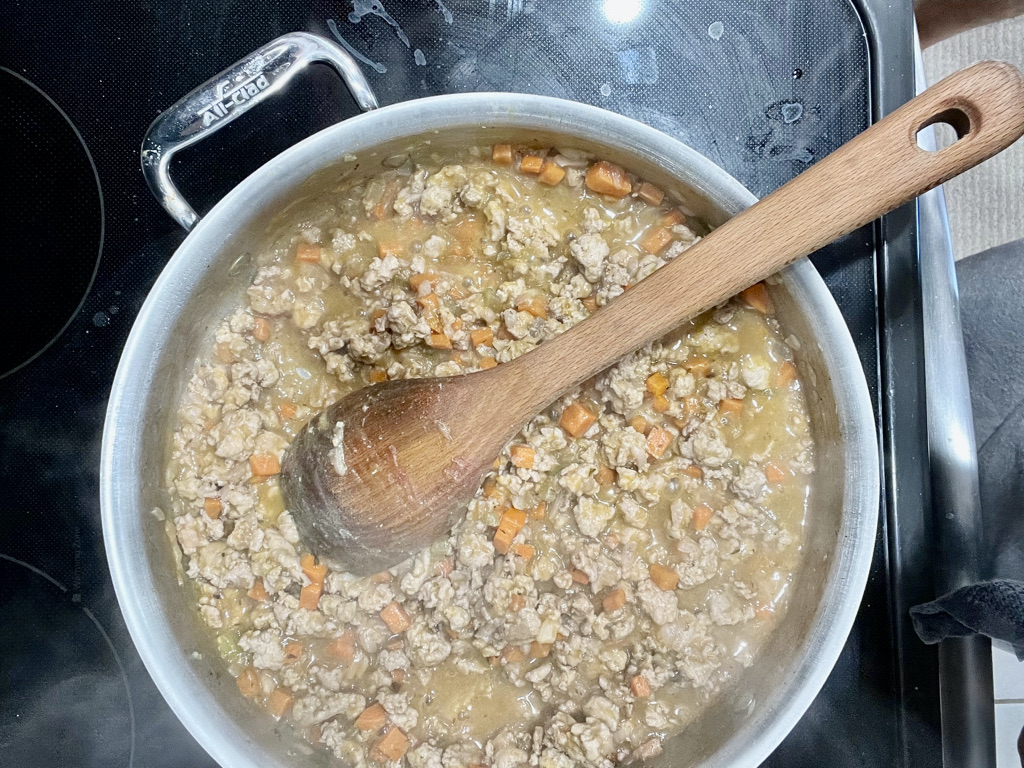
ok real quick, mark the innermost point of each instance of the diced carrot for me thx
(429, 303)
(395, 617)
(786, 374)
(391, 747)
(540, 511)
(513, 654)
(702, 515)
(730, 405)
(487, 363)
(525, 551)
(378, 375)
(552, 173)
(639, 423)
(534, 306)
(481, 337)
(293, 652)
(384, 248)
(431, 308)
(660, 404)
(511, 523)
(665, 578)
(531, 164)
(539, 650)
(757, 297)
(262, 330)
(590, 303)
(490, 488)
(213, 507)
(308, 253)
(694, 471)
(397, 677)
(657, 383)
(605, 475)
(577, 419)
(640, 686)
(650, 194)
(439, 341)
(387, 199)
(516, 603)
(579, 576)
(224, 353)
(656, 239)
(773, 473)
(444, 567)
(343, 647)
(258, 591)
(287, 411)
(502, 154)
(264, 464)
(467, 235)
(415, 281)
(315, 572)
(698, 366)
(249, 682)
(457, 324)
(658, 441)
(309, 596)
(513, 519)
(672, 218)
(614, 600)
(395, 644)
(278, 702)
(608, 179)
(372, 718)
(523, 456)
(382, 577)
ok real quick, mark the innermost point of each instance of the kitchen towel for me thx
(992, 312)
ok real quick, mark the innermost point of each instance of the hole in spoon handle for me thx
(984, 105)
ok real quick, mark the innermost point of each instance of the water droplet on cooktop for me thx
(606, 89)
(53, 221)
(792, 112)
(715, 30)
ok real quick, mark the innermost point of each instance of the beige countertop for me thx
(986, 205)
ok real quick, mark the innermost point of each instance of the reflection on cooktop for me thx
(53, 221)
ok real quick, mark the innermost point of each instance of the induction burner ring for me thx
(54, 223)
(56, 662)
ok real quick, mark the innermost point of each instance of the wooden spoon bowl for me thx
(391, 468)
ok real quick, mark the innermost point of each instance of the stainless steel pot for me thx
(208, 274)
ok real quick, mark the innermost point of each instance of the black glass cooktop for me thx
(763, 88)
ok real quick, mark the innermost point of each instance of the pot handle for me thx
(230, 94)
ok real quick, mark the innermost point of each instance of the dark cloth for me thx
(993, 608)
(992, 312)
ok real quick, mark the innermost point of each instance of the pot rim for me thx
(120, 482)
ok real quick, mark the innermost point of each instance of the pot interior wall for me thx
(228, 257)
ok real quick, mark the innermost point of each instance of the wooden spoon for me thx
(414, 452)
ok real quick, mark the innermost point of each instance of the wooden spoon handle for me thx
(876, 172)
